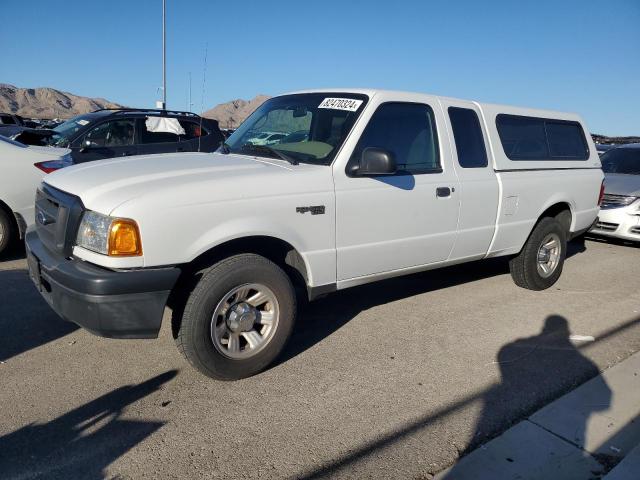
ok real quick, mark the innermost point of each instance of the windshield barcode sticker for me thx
(348, 104)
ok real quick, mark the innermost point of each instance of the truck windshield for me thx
(622, 160)
(306, 127)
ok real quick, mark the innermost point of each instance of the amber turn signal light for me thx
(124, 238)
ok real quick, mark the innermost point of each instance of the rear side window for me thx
(408, 130)
(468, 137)
(192, 130)
(531, 138)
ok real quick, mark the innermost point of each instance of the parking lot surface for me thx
(389, 380)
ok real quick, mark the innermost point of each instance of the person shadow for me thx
(82, 442)
(534, 371)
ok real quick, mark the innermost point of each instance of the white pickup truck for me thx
(363, 185)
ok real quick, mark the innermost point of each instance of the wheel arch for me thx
(563, 211)
(275, 249)
(279, 251)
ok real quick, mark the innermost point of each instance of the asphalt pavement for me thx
(390, 380)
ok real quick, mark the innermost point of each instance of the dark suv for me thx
(109, 133)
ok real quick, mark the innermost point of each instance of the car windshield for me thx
(622, 160)
(320, 122)
(65, 131)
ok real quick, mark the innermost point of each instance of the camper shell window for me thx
(541, 139)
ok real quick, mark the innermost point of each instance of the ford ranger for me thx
(381, 184)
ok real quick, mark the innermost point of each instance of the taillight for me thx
(53, 165)
(601, 197)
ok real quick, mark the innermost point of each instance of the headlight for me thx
(627, 200)
(116, 237)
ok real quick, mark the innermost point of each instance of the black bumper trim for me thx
(115, 304)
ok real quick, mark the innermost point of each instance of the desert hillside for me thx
(47, 102)
(231, 114)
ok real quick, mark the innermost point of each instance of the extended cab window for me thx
(531, 138)
(408, 131)
(111, 134)
(468, 137)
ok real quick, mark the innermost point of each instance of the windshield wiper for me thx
(268, 149)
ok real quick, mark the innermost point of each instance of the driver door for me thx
(387, 223)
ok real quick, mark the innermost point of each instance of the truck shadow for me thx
(14, 252)
(25, 318)
(324, 316)
(614, 241)
(82, 442)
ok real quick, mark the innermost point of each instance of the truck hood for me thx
(182, 178)
(621, 184)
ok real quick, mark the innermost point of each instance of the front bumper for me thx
(115, 304)
(623, 223)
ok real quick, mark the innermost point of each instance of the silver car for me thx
(620, 209)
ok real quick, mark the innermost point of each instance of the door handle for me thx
(443, 192)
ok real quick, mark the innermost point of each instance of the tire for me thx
(6, 231)
(526, 269)
(213, 313)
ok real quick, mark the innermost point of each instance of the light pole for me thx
(164, 54)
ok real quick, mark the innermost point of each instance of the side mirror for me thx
(84, 145)
(376, 161)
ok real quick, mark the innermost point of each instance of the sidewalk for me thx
(592, 432)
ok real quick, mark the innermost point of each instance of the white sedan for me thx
(21, 171)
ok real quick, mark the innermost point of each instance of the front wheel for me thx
(539, 265)
(238, 317)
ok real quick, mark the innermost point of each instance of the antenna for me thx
(204, 80)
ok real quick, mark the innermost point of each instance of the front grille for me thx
(58, 216)
(635, 230)
(609, 227)
(614, 201)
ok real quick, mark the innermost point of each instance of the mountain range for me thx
(51, 103)
(47, 102)
(233, 113)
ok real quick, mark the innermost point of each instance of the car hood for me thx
(183, 178)
(621, 184)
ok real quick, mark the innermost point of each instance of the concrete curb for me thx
(582, 435)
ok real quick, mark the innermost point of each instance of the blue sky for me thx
(581, 56)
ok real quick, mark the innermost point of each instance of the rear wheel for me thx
(539, 265)
(6, 231)
(238, 317)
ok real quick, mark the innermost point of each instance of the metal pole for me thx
(164, 54)
(189, 109)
